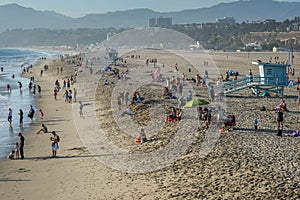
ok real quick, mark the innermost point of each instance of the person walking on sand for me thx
(280, 118)
(119, 99)
(55, 94)
(54, 143)
(9, 117)
(127, 98)
(21, 144)
(80, 109)
(74, 94)
(66, 96)
(255, 123)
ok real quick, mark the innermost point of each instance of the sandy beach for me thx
(99, 158)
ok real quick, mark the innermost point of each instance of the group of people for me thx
(176, 115)
(33, 88)
(124, 98)
(136, 98)
(30, 115)
(167, 94)
(175, 85)
(17, 152)
(68, 95)
(204, 114)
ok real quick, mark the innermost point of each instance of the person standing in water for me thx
(9, 117)
(21, 117)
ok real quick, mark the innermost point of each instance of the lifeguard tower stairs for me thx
(272, 78)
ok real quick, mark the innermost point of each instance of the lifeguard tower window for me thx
(269, 72)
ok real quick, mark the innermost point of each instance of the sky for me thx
(78, 8)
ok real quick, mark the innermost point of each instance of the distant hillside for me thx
(47, 37)
(14, 16)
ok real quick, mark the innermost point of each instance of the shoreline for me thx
(39, 54)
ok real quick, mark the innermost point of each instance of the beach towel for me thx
(296, 133)
(156, 74)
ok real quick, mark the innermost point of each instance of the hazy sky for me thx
(78, 8)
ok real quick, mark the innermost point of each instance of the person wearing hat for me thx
(55, 140)
(21, 144)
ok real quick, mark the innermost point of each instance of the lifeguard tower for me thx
(111, 57)
(272, 78)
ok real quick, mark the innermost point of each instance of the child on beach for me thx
(255, 123)
(11, 155)
(127, 112)
(142, 136)
(55, 94)
(17, 150)
(41, 114)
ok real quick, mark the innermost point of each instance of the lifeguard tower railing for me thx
(256, 83)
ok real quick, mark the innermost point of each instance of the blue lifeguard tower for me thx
(272, 78)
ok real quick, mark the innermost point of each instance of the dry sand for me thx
(243, 164)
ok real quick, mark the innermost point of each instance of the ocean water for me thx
(13, 61)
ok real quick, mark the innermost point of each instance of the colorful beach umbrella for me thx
(195, 102)
(267, 94)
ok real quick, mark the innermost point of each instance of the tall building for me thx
(162, 22)
(152, 22)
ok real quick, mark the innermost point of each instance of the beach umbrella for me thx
(195, 102)
(265, 94)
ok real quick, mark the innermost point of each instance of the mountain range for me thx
(14, 16)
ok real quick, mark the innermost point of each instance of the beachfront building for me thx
(152, 22)
(226, 20)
